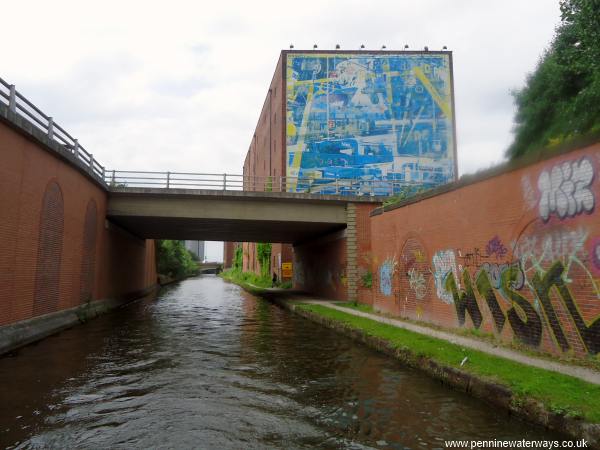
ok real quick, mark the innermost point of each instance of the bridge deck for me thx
(228, 215)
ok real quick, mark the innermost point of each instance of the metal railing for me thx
(236, 182)
(18, 104)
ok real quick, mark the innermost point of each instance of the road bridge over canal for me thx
(77, 238)
(241, 216)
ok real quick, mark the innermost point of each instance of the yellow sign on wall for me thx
(286, 270)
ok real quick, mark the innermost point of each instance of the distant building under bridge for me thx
(197, 248)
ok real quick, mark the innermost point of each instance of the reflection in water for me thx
(206, 365)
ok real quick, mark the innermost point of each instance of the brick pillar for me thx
(351, 251)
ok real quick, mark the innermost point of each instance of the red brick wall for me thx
(447, 259)
(364, 258)
(320, 267)
(283, 253)
(55, 250)
(266, 157)
(228, 254)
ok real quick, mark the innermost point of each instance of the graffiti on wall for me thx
(533, 291)
(494, 272)
(595, 255)
(386, 276)
(541, 288)
(417, 283)
(565, 189)
(444, 262)
(542, 247)
(415, 269)
(496, 247)
(384, 117)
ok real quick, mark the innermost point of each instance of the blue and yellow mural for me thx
(384, 117)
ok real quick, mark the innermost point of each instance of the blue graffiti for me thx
(386, 273)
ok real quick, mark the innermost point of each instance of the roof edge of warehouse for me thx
(365, 51)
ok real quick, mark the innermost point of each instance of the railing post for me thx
(224, 181)
(12, 99)
(337, 187)
(103, 174)
(75, 147)
(113, 178)
(168, 179)
(50, 127)
(280, 184)
(91, 163)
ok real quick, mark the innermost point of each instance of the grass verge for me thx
(235, 277)
(558, 393)
(252, 281)
(591, 362)
(246, 278)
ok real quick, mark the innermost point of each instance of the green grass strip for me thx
(559, 393)
(247, 278)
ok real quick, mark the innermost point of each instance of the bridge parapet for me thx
(235, 182)
(19, 106)
(32, 121)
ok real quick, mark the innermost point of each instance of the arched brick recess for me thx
(414, 277)
(88, 253)
(49, 254)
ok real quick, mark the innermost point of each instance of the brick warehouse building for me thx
(364, 115)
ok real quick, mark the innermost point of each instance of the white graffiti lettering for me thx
(416, 281)
(565, 190)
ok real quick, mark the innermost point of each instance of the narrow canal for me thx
(206, 365)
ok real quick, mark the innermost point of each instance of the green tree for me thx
(237, 258)
(263, 253)
(174, 260)
(561, 98)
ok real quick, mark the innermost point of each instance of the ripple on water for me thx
(205, 365)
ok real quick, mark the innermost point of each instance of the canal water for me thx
(205, 365)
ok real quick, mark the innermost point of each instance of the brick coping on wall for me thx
(543, 154)
(31, 132)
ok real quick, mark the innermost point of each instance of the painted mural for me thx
(384, 120)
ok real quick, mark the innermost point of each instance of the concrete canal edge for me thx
(496, 394)
(28, 331)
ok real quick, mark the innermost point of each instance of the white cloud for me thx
(179, 84)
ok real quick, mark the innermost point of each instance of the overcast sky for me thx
(178, 85)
